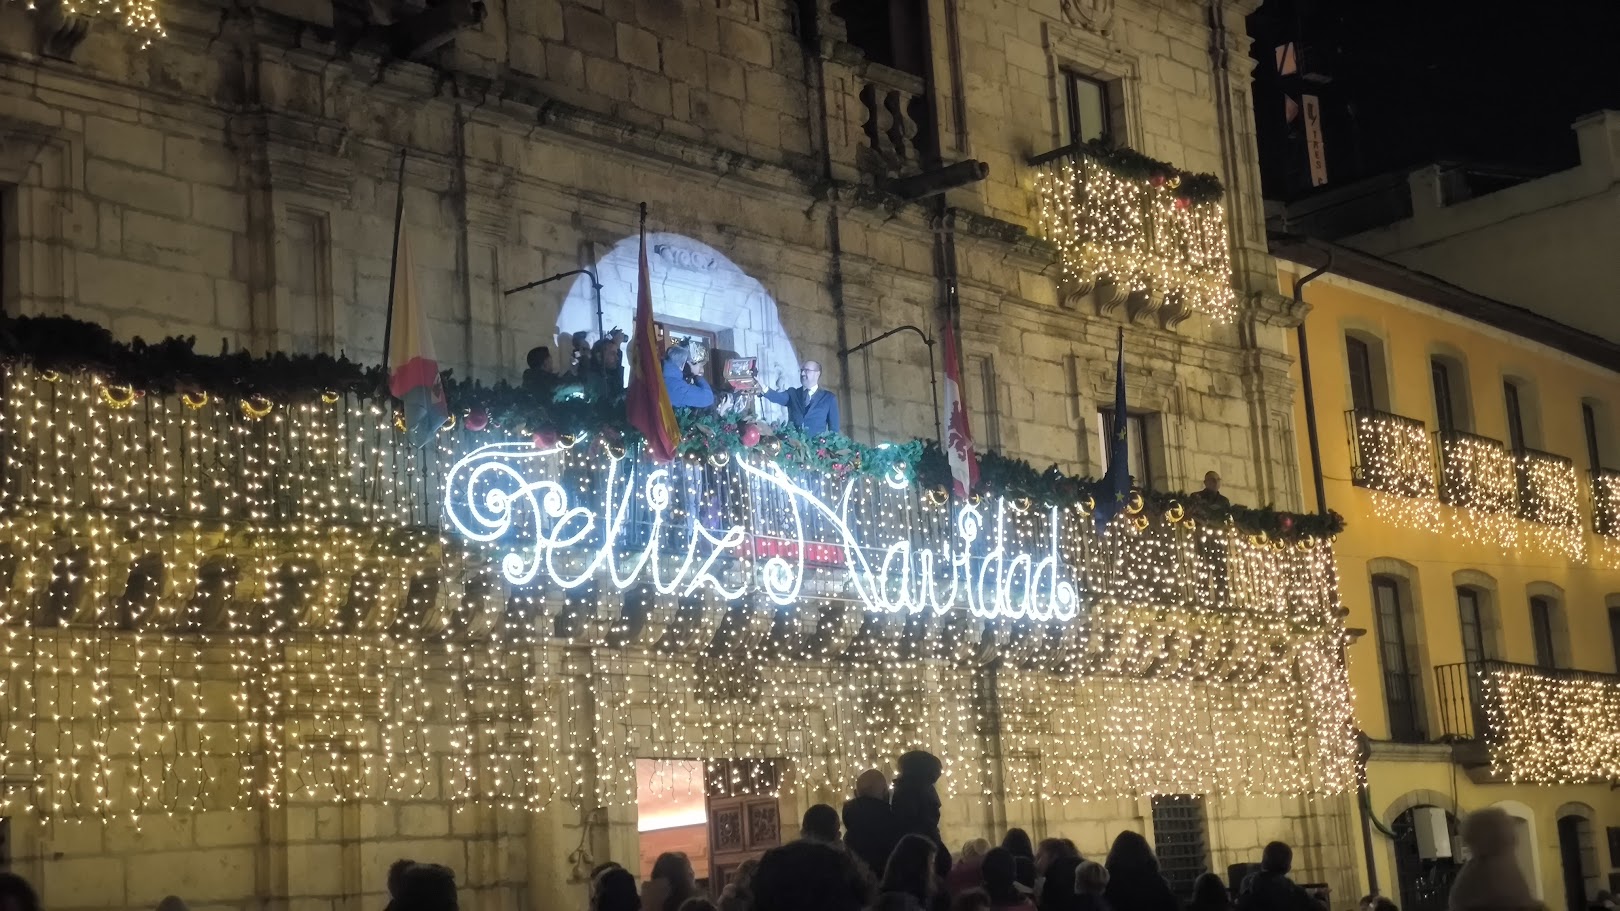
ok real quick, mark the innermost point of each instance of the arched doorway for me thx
(696, 290)
(1425, 862)
(1574, 846)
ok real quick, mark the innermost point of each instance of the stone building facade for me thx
(236, 181)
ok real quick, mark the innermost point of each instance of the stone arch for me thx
(693, 285)
(1421, 797)
(1525, 828)
(1490, 606)
(1580, 820)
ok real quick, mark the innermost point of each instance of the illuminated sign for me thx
(512, 496)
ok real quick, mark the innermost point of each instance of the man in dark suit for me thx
(810, 408)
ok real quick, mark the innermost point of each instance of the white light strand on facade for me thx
(1550, 727)
(1138, 233)
(213, 607)
(139, 17)
(1480, 477)
(1395, 462)
(1551, 503)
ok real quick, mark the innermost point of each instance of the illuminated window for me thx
(1087, 108)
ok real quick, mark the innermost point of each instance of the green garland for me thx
(1129, 163)
(565, 407)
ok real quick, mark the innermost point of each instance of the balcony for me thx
(1548, 491)
(1153, 236)
(1391, 453)
(1606, 502)
(1532, 724)
(1550, 499)
(1477, 473)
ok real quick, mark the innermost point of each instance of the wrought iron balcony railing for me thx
(1119, 217)
(1538, 724)
(1549, 493)
(1477, 473)
(1606, 502)
(1391, 453)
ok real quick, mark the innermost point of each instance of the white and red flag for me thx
(958, 438)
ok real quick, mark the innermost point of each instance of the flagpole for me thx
(393, 263)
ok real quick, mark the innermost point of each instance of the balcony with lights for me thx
(1606, 502)
(1391, 453)
(1529, 724)
(1550, 500)
(1140, 232)
(274, 515)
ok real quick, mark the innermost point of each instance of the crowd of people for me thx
(885, 853)
(595, 371)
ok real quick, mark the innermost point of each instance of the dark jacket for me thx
(683, 394)
(817, 414)
(1265, 891)
(916, 804)
(1139, 891)
(871, 830)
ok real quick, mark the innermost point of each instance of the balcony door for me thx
(1445, 410)
(1515, 416)
(1361, 374)
(1471, 620)
(1403, 693)
(1541, 630)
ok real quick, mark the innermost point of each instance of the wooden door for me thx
(745, 819)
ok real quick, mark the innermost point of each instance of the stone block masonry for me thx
(236, 183)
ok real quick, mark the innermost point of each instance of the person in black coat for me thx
(916, 802)
(1134, 881)
(871, 830)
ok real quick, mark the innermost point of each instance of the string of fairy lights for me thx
(140, 17)
(1137, 232)
(214, 607)
(1502, 499)
(1550, 727)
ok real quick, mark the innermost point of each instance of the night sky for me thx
(1414, 81)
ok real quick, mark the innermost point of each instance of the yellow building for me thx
(1472, 448)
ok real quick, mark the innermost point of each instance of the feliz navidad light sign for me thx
(643, 525)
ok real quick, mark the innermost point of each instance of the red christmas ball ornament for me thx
(1157, 180)
(1182, 202)
(477, 420)
(1287, 523)
(545, 438)
(750, 435)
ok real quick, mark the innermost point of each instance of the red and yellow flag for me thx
(648, 398)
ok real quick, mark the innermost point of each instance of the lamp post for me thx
(933, 374)
(596, 286)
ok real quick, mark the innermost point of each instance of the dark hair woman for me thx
(1134, 881)
(911, 871)
(672, 882)
(1000, 880)
(1058, 892)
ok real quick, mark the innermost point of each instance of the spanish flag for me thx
(648, 398)
(413, 369)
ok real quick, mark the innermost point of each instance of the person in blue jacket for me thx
(687, 388)
(810, 408)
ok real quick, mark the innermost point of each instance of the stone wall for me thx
(237, 182)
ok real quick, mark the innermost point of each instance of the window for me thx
(1515, 416)
(1473, 625)
(1138, 457)
(1178, 840)
(1403, 690)
(1614, 635)
(1541, 628)
(1594, 455)
(1086, 108)
(1363, 388)
(1445, 412)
